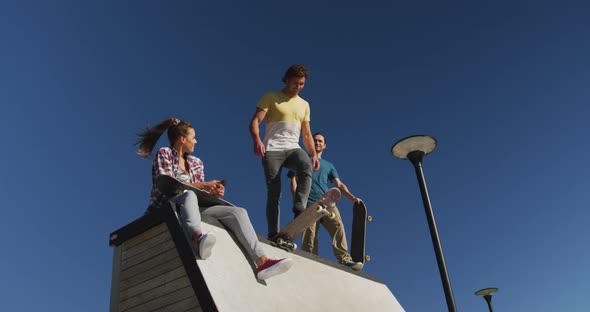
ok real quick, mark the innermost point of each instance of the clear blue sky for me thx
(504, 88)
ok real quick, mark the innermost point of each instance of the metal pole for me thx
(488, 299)
(416, 158)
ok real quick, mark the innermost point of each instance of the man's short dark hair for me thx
(297, 70)
(319, 133)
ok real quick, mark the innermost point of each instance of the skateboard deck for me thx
(321, 208)
(172, 187)
(359, 233)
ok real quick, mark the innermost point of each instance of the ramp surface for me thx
(310, 285)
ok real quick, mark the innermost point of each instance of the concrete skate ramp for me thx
(154, 269)
(312, 284)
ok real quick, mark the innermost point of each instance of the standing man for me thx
(334, 226)
(287, 118)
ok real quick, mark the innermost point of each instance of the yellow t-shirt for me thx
(284, 116)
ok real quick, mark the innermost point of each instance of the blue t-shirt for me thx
(320, 179)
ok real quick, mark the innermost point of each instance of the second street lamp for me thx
(487, 293)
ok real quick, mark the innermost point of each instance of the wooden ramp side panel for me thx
(148, 275)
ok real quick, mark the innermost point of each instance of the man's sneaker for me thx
(357, 266)
(204, 244)
(283, 243)
(273, 267)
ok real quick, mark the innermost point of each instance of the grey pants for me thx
(295, 160)
(234, 218)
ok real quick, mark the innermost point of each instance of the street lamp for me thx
(486, 293)
(414, 148)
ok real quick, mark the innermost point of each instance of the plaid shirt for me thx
(166, 162)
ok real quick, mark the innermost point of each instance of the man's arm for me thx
(309, 144)
(346, 192)
(259, 149)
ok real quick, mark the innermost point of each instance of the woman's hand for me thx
(216, 188)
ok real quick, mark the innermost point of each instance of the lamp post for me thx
(414, 148)
(486, 293)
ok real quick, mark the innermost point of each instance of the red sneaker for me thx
(273, 267)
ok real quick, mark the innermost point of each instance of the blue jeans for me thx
(234, 218)
(295, 160)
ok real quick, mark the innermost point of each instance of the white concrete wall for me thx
(308, 286)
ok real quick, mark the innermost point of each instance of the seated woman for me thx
(177, 162)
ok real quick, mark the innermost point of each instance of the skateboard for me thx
(322, 208)
(172, 187)
(359, 233)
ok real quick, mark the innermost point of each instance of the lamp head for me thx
(413, 147)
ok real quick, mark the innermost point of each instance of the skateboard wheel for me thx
(332, 215)
(369, 218)
(367, 258)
